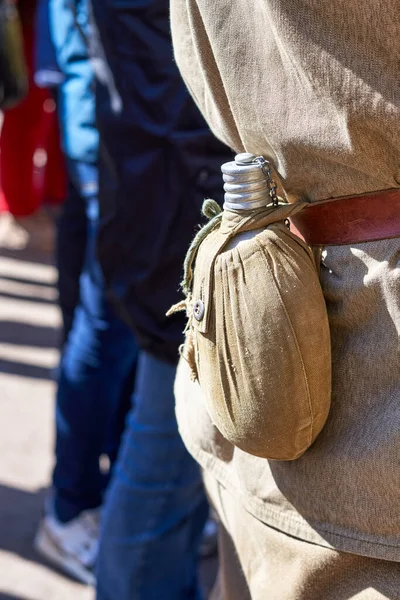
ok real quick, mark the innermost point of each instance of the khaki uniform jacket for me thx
(315, 87)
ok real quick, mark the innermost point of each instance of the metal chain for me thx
(265, 166)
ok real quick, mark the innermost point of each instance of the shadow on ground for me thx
(24, 281)
(27, 298)
(20, 512)
(39, 258)
(25, 334)
(23, 370)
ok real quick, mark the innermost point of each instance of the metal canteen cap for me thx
(245, 183)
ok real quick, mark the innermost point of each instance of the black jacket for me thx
(158, 161)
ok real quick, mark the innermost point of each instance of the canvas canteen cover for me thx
(257, 338)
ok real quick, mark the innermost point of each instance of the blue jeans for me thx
(155, 507)
(96, 376)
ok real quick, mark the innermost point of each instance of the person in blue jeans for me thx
(156, 509)
(157, 163)
(99, 355)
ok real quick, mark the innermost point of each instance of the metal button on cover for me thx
(198, 310)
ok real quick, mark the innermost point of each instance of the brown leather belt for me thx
(349, 219)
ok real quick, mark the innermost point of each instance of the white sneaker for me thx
(71, 546)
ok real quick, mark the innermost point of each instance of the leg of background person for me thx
(155, 507)
(70, 254)
(98, 359)
(55, 179)
(117, 426)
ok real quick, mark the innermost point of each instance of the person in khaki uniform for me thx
(313, 86)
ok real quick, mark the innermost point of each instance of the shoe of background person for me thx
(34, 232)
(209, 542)
(72, 546)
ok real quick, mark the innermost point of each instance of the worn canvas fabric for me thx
(312, 85)
(261, 563)
(261, 344)
(343, 492)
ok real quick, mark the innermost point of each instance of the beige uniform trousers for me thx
(258, 562)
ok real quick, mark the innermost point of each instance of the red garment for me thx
(26, 128)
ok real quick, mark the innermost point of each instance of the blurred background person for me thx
(158, 161)
(71, 221)
(99, 355)
(30, 179)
